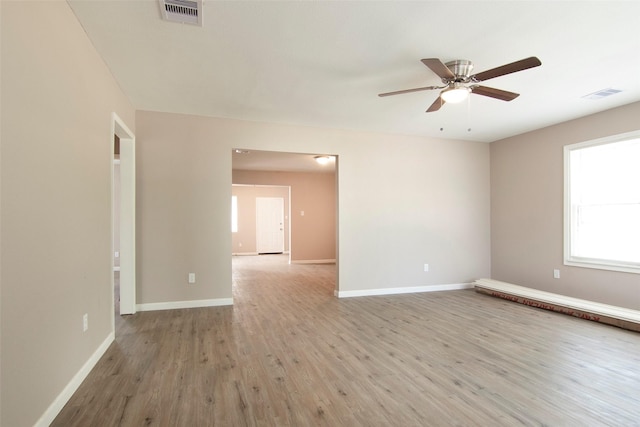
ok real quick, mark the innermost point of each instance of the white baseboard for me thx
(172, 305)
(56, 406)
(405, 290)
(253, 253)
(590, 310)
(314, 261)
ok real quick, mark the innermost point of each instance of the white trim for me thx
(127, 216)
(120, 127)
(405, 290)
(261, 185)
(116, 268)
(245, 254)
(599, 264)
(172, 305)
(58, 403)
(314, 261)
(566, 205)
(605, 310)
(290, 230)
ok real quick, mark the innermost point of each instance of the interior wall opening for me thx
(306, 187)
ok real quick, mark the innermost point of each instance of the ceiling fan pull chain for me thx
(469, 115)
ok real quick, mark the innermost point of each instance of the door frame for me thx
(287, 213)
(127, 229)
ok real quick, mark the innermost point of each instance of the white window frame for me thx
(570, 260)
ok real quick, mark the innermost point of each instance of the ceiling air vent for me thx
(182, 11)
(601, 94)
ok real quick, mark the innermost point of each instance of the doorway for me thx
(311, 214)
(247, 203)
(123, 217)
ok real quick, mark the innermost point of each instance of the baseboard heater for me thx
(597, 312)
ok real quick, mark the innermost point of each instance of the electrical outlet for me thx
(556, 273)
(85, 322)
(117, 254)
(192, 277)
(426, 267)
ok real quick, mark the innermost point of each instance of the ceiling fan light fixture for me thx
(455, 94)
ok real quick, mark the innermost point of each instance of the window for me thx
(602, 203)
(234, 214)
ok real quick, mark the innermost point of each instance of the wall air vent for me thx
(182, 11)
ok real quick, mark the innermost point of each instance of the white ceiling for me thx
(323, 63)
(281, 162)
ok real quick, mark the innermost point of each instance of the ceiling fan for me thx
(459, 82)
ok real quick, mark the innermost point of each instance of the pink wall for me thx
(313, 235)
(244, 240)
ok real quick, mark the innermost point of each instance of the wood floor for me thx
(288, 353)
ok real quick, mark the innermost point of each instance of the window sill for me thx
(602, 265)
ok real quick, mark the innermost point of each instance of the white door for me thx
(269, 225)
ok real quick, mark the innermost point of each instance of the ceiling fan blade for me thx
(398, 92)
(439, 68)
(523, 64)
(439, 102)
(494, 93)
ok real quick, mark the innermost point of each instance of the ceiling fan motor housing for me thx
(461, 68)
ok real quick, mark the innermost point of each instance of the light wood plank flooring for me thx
(289, 353)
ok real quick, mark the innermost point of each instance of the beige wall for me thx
(527, 211)
(57, 100)
(244, 240)
(403, 201)
(313, 236)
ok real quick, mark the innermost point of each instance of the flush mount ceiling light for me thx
(239, 151)
(323, 160)
(455, 93)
